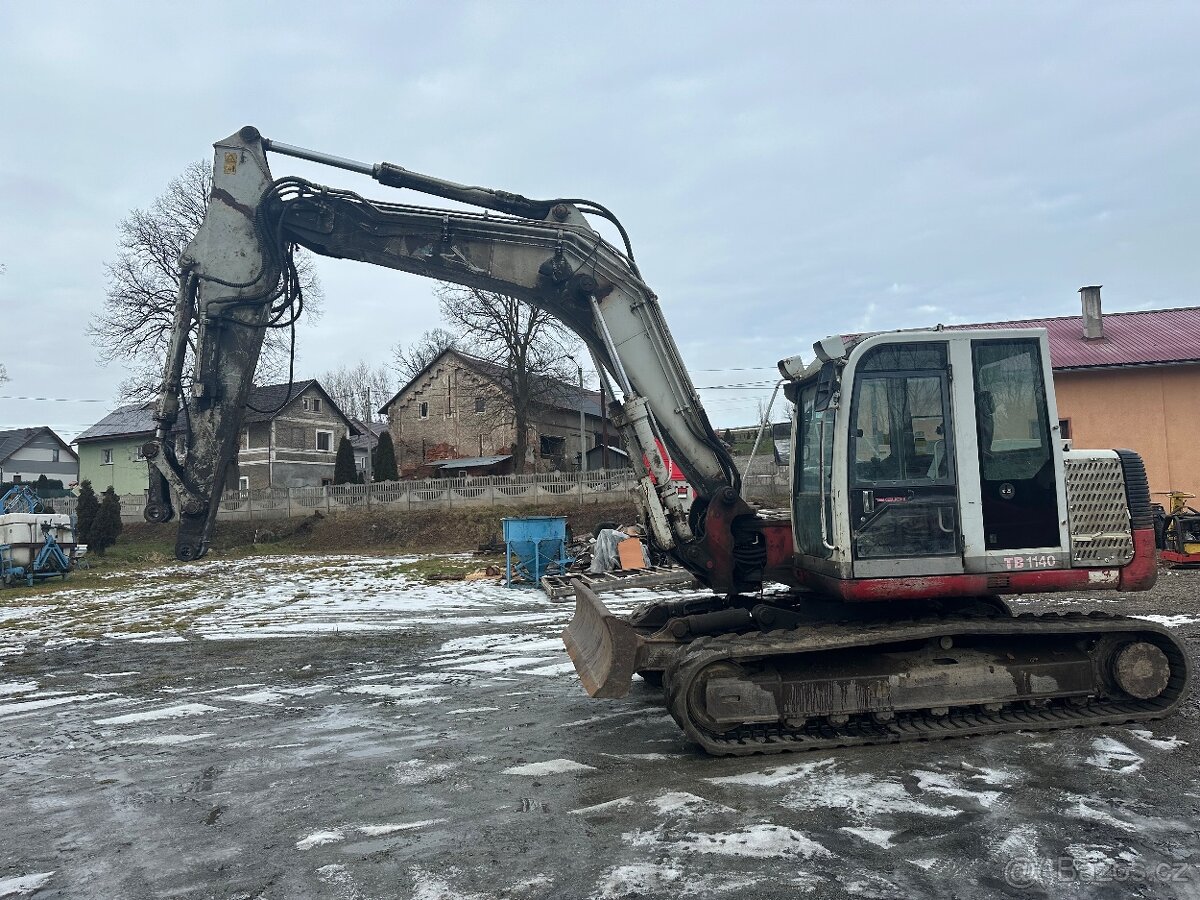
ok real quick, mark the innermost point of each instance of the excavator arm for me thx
(237, 280)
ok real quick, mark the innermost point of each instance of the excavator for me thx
(928, 480)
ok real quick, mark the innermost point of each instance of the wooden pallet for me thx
(559, 587)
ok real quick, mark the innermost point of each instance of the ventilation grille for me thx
(1098, 512)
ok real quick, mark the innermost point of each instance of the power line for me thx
(55, 399)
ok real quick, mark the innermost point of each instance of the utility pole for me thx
(370, 467)
(582, 423)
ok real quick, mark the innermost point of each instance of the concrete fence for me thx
(549, 489)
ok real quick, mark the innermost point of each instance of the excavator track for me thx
(827, 686)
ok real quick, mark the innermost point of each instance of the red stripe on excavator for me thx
(1138, 575)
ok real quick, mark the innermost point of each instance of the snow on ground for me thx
(179, 711)
(1170, 621)
(549, 767)
(23, 885)
(493, 664)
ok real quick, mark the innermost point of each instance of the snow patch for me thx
(549, 767)
(1082, 810)
(503, 664)
(317, 838)
(683, 803)
(603, 807)
(1170, 621)
(948, 786)
(639, 880)
(17, 687)
(167, 712)
(1094, 862)
(1147, 737)
(12, 709)
(1111, 754)
(428, 886)
(863, 796)
(567, 668)
(169, 740)
(377, 830)
(776, 776)
(759, 841)
(419, 771)
(23, 884)
(877, 836)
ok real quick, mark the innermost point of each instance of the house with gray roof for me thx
(290, 435)
(26, 454)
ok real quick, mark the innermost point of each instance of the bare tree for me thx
(135, 324)
(359, 389)
(526, 347)
(410, 359)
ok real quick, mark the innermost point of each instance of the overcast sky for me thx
(785, 170)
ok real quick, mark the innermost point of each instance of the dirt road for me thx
(338, 727)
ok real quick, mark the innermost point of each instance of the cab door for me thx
(904, 500)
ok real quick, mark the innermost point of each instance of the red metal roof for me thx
(1146, 338)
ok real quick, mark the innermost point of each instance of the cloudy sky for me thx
(785, 170)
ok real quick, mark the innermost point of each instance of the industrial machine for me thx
(34, 544)
(927, 480)
(1178, 531)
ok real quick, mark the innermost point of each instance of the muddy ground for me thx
(291, 727)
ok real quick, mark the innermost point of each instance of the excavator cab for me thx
(933, 457)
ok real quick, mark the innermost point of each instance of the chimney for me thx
(1093, 320)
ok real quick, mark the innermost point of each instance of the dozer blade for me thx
(606, 651)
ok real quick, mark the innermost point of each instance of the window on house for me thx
(423, 410)
(479, 404)
(138, 454)
(246, 439)
(552, 446)
(54, 455)
(244, 483)
(106, 457)
(316, 404)
(325, 440)
(16, 479)
(1064, 429)
(304, 402)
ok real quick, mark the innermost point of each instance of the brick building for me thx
(454, 409)
(290, 437)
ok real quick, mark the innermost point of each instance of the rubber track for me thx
(918, 725)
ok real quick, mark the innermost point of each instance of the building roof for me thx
(264, 404)
(1144, 338)
(366, 434)
(14, 439)
(471, 462)
(124, 421)
(552, 392)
